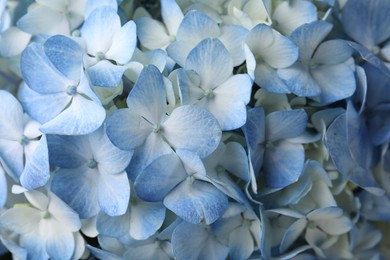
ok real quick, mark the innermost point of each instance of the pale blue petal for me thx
(127, 130)
(192, 128)
(196, 202)
(228, 104)
(60, 242)
(290, 15)
(197, 26)
(292, 233)
(156, 250)
(241, 244)
(299, 80)
(11, 157)
(83, 116)
(330, 213)
(211, 60)
(68, 151)
(254, 131)
(232, 37)
(281, 53)
(13, 41)
(21, 220)
(148, 98)
(44, 20)
(78, 188)
(151, 33)
(193, 164)
(332, 52)
(359, 141)
(202, 244)
(105, 74)
(35, 246)
(189, 86)
(92, 5)
(268, 78)
(337, 82)
(99, 29)
(178, 51)
(113, 226)
(145, 219)
(123, 44)
(40, 107)
(63, 213)
(171, 15)
(36, 172)
(235, 160)
(366, 21)
(309, 36)
(336, 226)
(109, 158)
(65, 54)
(47, 79)
(283, 164)
(11, 120)
(285, 124)
(159, 178)
(337, 143)
(113, 193)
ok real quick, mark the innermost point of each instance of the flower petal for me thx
(105, 74)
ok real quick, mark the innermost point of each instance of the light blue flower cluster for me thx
(193, 129)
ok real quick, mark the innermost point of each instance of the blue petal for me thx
(11, 157)
(40, 107)
(332, 52)
(59, 246)
(78, 188)
(63, 213)
(337, 82)
(47, 79)
(148, 98)
(285, 124)
(375, 208)
(232, 37)
(202, 244)
(228, 104)
(151, 33)
(192, 128)
(159, 178)
(268, 78)
(102, 254)
(171, 15)
(146, 218)
(92, 5)
(99, 29)
(65, 54)
(113, 226)
(123, 44)
(105, 74)
(36, 172)
(127, 130)
(254, 131)
(113, 193)
(303, 12)
(68, 151)
(211, 60)
(366, 21)
(196, 202)
(283, 164)
(11, 122)
(337, 144)
(83, 116)
(292, 233)
(241, 243)
(309, 36)
(109, 158)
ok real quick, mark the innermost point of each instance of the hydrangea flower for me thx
(59, 95)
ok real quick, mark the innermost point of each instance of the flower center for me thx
(99, 56)
(157, 128)
(24, 140)
(209, 94)
(91, 164)
(71, 90)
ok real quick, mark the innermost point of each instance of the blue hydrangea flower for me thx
(208, 82)
(108, 45)
(145, 125)
(58, 95)
(48, 228)
(322, 71)
(23, 148)
(267, 138)
(91, 175)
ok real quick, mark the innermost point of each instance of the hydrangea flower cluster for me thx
(193, 129)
